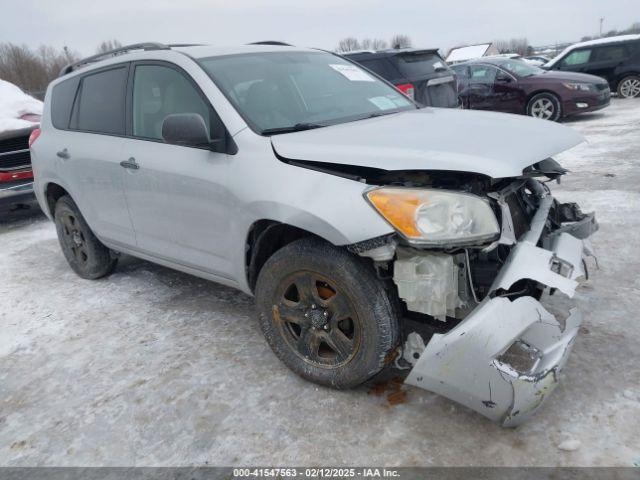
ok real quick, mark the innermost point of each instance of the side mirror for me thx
(186, 129)
(504, 79)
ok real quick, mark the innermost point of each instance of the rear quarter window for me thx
(62, 97)
(100, 103)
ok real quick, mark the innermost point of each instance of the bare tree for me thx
(348, 44)
(32, 70)
(635, 28)
(514, 45)
(378, 44)
(365, 44)
(400, 41)
(108, 45)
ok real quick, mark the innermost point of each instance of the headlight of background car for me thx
(585, 87)
(435, 217)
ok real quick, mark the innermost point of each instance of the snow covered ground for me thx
(153, 367)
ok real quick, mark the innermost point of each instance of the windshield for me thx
(520, 68)
(298, 90)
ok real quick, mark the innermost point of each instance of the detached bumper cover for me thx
(505, 357)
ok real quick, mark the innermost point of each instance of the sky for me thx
(83, 24)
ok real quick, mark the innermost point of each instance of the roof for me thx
(388, 52)
(202, 51)
(467, 53)
(192, 50)
(590, 43)
(490, 60)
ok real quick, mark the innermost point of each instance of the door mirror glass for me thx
(185, 129)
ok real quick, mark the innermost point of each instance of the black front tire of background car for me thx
(86, 255)
(361, 325)
(553, 110)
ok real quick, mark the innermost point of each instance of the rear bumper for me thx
(15, 193)
(505, 358)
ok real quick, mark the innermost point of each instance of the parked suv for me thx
(420, 74)
(357, 219)
(616, 59)
(512, 86)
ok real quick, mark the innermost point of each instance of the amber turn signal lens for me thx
(399, 208)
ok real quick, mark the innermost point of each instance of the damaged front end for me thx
(503, 355)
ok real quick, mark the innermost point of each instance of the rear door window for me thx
(577, 57)
(483, 74)
(462, 72)
(100, 105)
(610, 53)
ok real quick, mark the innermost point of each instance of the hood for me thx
(494, 144)
(565, 77)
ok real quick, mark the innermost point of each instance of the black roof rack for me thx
(112, 53)
(271, 42)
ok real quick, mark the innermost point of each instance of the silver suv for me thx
(373, 233)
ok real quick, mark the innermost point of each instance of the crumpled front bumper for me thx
(505, 357)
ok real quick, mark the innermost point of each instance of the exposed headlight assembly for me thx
(584, 87)
(435, 217)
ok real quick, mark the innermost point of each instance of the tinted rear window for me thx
(62, 97)
(420, 64)
(382, 67)
(100, 104)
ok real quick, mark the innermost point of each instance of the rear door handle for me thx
(131, 163)
(64, 154)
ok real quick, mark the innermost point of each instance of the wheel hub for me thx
(318, 317)
(77, 239)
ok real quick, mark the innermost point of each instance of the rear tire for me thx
(629, 87)
(545, 106)
(325, 313)
(86, 255)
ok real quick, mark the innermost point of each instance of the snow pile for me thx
(13, 104)
(467, 53)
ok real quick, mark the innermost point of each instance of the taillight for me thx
(408, 89)
(34, 136)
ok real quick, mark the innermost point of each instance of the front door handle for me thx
(63, 154)
(131, 163)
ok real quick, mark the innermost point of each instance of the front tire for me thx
(86, 255)
(545, 106)
(629, 87)
(325, 313)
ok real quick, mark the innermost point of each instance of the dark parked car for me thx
(513, 86)
(19, 117)
(420, 74)
(616, 59)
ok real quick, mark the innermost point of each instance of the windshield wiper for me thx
(298, 127)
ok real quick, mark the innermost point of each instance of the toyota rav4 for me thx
(373, 233)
